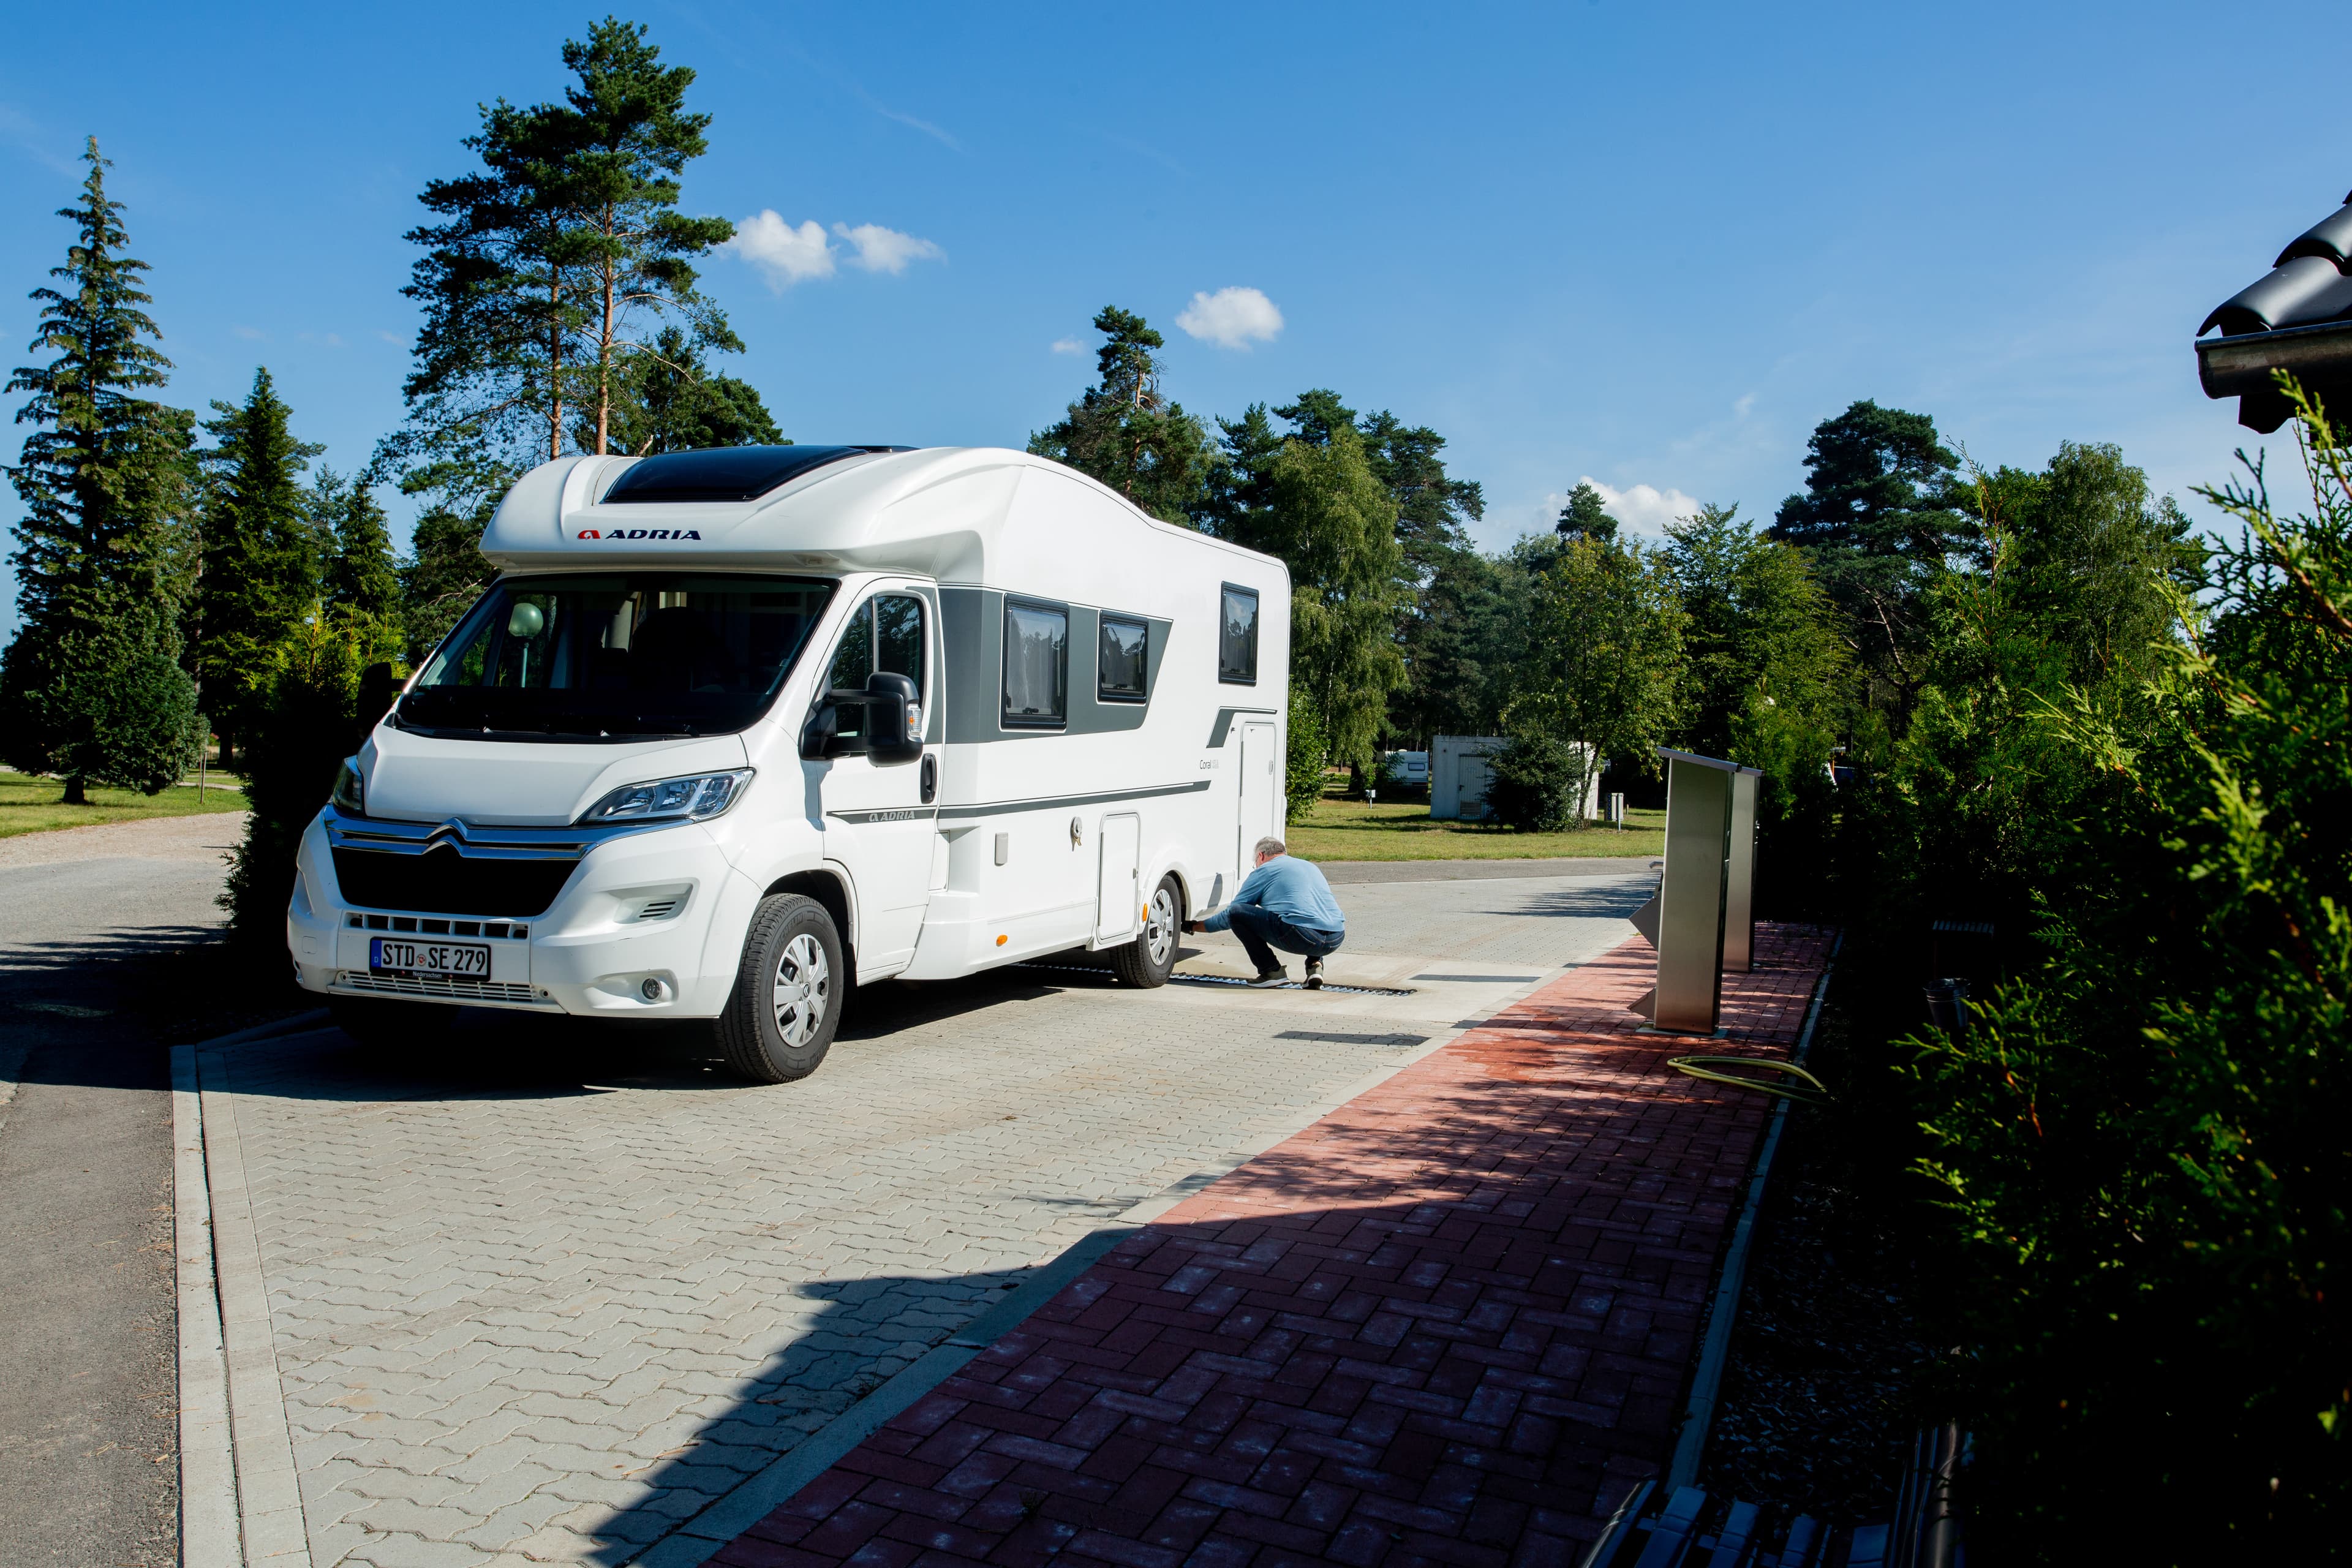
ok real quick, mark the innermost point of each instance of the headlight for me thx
(350, 788)
(685, 800)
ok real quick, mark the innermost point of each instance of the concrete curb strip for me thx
(269, 1499)
(208, 1524)
(225, 1408)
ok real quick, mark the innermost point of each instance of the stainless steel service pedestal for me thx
(1686, 920)
(1739, 876)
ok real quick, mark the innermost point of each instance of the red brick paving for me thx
(1447, 1325)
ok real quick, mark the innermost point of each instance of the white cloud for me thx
(883, 249)
(785, 254)
(788, 253)
(1645, 508)
(250, 334)
(1741, 409)
(1068, 346)
(393, 338)
(1232, 318)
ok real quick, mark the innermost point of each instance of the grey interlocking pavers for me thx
(539, 1297)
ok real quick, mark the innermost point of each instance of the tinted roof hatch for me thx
(724, 473)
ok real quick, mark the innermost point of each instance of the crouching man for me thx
(1286, 904)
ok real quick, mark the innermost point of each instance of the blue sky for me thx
(1653, 244)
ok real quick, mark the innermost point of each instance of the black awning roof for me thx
(724, 473)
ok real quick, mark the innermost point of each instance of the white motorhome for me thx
(735, 728)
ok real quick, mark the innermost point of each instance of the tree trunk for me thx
(76, 790)
(554, 371)
(604, 351)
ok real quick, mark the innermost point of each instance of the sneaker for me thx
(1315, 974)
(1277, 975)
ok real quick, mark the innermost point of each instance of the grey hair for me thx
(1266, 846)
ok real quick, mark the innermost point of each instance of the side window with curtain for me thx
(1123, 660)
(1237, 637)
(1037, 665)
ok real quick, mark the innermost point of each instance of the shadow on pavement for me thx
(1492, 1355)
(1592, 901)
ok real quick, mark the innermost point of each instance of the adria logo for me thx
(619, 533)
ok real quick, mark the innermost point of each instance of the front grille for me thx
(447, 987)
(442, 882)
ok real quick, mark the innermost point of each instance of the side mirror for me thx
(895, 729)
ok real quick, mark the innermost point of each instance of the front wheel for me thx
(780, 1019)
(1150, 958)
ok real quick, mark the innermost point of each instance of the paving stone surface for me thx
(1449, 1323)
(537, 1293)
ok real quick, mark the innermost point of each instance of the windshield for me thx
(619, 656)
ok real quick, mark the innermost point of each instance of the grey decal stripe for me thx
(1224, 724)
(890, 814)
(1061, 800)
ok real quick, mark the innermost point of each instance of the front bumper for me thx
(658, 905)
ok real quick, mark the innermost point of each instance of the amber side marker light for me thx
(1002, 940)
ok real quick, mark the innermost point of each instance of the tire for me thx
(780, 1019)
(384, 1023)
(1150, 958)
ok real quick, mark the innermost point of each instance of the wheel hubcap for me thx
(803, 989)
(1160, 930)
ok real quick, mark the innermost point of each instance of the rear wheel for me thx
(780, 1019)
(1150, 958)
(381, 1022)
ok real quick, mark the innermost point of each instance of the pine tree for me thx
(671, 401)
(1877, 524)
(1586, 516)
(260, 555)
(90, 688)
(631, 137)
(543, 262)
(1126, 433)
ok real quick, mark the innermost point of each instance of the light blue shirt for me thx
(1291, 890)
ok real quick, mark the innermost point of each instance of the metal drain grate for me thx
(1219, 980)
(1292, 985)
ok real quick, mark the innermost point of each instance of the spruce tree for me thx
(442, 576)
(260, 556)
(90, 688)
(359, 573)
(1126, 433)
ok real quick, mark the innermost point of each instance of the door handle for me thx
(931, 778)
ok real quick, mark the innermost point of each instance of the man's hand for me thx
(1193, 928)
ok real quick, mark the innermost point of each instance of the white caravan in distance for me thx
(736, 727)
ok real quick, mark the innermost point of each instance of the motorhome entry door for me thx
(1118, 904)
(1261, 787)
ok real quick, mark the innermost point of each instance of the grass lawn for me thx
(30, 803)
(1338, 829)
